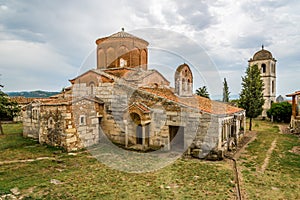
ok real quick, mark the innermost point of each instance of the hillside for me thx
(34, 94)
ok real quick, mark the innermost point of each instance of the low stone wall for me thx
(295, 125)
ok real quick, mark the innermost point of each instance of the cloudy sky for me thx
(43, 44)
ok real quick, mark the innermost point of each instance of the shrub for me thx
(281, 112)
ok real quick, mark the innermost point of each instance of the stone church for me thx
(267, 65)
(135, 107)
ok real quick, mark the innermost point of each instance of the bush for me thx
(281, 112)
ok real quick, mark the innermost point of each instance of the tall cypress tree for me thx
(225, 91)
(251, 96)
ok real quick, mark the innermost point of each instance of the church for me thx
(135, 107)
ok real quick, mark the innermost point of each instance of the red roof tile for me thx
(198, 102)
(121, 72)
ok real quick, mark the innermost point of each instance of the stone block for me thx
(70, 130)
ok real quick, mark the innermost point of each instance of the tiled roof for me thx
(262, 55)
(121, 34)
(118, 72)
(58, 101)
(22, 100)
(140, 106)
(102, 77)
(198, 102)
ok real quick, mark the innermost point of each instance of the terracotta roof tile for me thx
(198, 102)
(121, 72)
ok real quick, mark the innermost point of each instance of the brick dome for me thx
(262, 55)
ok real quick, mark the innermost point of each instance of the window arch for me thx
(101, 58)
(263, 68)
(110, 57)
(91, 88)
(50, 123)
(183, 85)
(273, 68)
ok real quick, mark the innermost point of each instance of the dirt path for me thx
(269, 152)
(27, 160)
(248, 138)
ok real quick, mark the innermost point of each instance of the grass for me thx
(14, 147)
(83, 177)
(281, 179)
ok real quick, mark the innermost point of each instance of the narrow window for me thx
(263, 68)
(183, 85)
(273, 86)
(92, 89)
(50, 123)
(82, 120)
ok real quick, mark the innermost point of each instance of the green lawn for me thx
(281, 178)
(83, 177)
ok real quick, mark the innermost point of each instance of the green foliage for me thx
(202, 91)
(84, 177)
(280, 179)
(8, 108)
(251, 96)
(226, 92)
(281, 112)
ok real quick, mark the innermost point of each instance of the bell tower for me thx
(267, 65)
(184, 81)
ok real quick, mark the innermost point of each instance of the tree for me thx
(202, 91)
(225, 91)
(251, 96)
(8, 109)
(280, 112)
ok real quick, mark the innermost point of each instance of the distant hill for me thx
(33, 94)
(220, 97)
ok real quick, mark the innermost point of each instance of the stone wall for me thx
(51, 124)
(295, 125)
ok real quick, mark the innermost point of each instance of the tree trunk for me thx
(250, 124)
(1, 129)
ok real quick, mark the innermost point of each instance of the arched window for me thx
(273, 87)
(263, 68)
(183, 85)
(92, 88)
(101, 58)
(273, 68)
(50, 123)
(110, 57)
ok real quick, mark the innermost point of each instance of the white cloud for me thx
(40, 38)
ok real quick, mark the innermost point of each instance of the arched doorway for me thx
(141, 130)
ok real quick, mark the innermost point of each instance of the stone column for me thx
(126, 133)
(144, 135)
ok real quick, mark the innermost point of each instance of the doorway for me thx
(176, 135)
(139, 134)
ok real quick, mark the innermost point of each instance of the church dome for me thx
(122, 35)
(262, 55)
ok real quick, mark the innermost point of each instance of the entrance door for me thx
(139, 134)
(176, 134)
